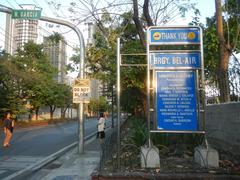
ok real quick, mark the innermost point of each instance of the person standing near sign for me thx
(101, 128)
(8, 129)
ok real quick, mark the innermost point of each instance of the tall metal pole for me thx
(112, 108)
(148, 94)
(203, 98)
(81, 73)
(118, 102)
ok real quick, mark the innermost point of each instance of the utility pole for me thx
(81, 75)
(224, 56)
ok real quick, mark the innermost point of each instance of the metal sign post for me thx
(81, 94)
(81, 73)
(176, 71)
(118, 103)
(119, 64)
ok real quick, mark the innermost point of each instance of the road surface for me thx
(30, 145)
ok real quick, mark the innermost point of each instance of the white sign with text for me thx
(81, 90)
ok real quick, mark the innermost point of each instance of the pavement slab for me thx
(71, 166)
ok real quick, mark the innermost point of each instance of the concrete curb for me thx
(46, 160)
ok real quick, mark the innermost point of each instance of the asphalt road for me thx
(30, 145)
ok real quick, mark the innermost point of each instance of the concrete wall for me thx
(223, 126)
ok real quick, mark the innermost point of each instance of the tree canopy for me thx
(26, 81)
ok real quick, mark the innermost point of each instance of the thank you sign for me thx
(174, 36)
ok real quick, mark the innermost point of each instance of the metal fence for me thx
(129, 154)
(108, 151)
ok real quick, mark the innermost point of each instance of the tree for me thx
(145, 12)
(10, 91)
(225, 52)
(65, 96)
(158, 13)
(27, 79)
(133, 97)
(217, 59)
(101, 58)
(98, 105)
(32, 60)
(116, 20)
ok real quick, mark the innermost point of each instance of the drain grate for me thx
(68, 177)
(53, 166)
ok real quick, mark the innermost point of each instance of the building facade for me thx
(56, 52)
(20, 31)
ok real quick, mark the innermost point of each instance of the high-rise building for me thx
(90, 29)
(57, 54)
(20, 31)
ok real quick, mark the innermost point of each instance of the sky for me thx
(206, 7)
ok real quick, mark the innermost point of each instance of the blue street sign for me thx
(176, 101)
(174, 36)
(175, 60)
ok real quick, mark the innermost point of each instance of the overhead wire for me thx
(10, 4)
(50, 8)
(17, 3)
(65, 41)
(5, 6)
(11, 37)
(36, 3)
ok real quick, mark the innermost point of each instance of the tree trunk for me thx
(63, 112)
(138, 23)
(51, 115)
(146, 13)
(30, 115)
(223, 80)
(36, 113)
(52, 109)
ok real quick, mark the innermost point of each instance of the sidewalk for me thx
(71, 166)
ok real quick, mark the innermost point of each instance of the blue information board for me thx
(175, 60)
(176, 101)
(174, 36)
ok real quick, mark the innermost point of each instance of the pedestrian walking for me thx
(8, 129)
(101, 128)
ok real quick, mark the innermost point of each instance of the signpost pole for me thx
(148, 97)
(118, 103)
(81, 129)
(82, 63)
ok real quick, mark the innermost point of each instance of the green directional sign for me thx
(26, 14)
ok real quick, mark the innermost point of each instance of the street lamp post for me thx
(81, 73)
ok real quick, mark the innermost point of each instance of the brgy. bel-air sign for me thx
(81, 90)
(174, 36)
(175, 60)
